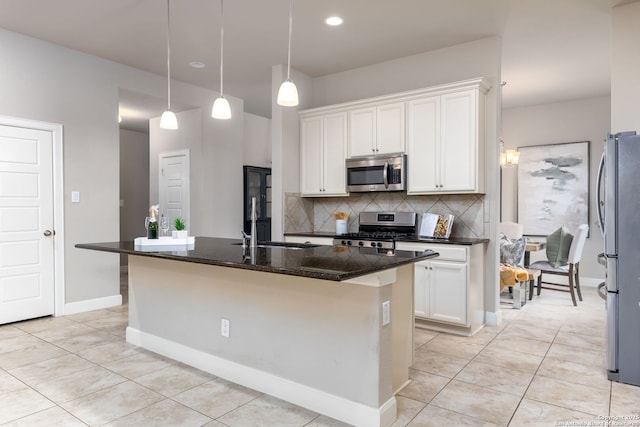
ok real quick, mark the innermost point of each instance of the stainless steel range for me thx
(380, 230)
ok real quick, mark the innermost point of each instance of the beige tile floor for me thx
(544, 364)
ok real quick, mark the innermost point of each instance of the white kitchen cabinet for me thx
(448, 291)
(441, 291)
(445, 142)
(378, 129)
(323, 150)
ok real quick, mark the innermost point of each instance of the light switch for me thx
(121, 203)
(75, 197)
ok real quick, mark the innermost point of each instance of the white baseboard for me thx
(92, 304)
(493, 318)
(299, 394)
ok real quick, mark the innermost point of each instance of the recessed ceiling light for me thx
(333, 21)
(197, 64)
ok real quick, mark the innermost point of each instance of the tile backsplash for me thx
(316, 214)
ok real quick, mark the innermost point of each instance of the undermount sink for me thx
(282, 245)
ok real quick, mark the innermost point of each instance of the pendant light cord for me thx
(221, 46)
(290, 30)
(168, 57)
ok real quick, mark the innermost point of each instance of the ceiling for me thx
(552, 50)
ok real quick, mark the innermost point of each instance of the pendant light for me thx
(288, 93)
(168, 120)
(221, 108)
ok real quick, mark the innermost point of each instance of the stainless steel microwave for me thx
(377, 173)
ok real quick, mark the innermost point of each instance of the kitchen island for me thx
(327, 328)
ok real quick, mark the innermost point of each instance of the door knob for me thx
(48, 233)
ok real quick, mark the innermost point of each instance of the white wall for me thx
(134, 184)
(45, 82)
(573, 121)
(625, 63)
(256, 147)
(285, 139)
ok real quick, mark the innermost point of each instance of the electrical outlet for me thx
(386, 313)
(224, 328)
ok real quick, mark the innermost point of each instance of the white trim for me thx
(316, 400)
(187, 182)
(92, 304)
(58, 201)
(493, 318)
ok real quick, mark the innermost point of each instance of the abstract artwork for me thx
(553, 187)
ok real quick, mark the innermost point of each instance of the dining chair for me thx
(570, 269)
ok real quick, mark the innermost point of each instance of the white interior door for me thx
(26, 224)
(174, 185)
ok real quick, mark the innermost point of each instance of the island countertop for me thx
(467, 241)
(335, 263)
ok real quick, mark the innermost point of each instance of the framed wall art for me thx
(553, 187)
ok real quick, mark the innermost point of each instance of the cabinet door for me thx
(311, 156)
(390, 128)
(362, 137)
(421, 289)
(423, 134)
(459, 144)
(448, 292)
(334, 154)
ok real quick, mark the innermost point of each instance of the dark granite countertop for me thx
(413, 239)
(318, 262)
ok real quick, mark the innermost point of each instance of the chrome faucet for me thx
(253, 237)
(254, 233)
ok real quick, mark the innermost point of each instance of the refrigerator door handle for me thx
(600, 202)
(612, 332)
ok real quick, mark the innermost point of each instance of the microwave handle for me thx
(385, 178)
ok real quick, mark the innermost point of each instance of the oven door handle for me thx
(385, 178)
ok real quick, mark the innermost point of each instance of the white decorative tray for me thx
(163, 241)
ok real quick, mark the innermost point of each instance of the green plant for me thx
(178, 223)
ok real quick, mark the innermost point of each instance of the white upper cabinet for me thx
(323, 150)
(378, 129)
(423, 136)
(445, 143)
(440, 128)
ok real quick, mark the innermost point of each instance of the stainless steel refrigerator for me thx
(619, 216)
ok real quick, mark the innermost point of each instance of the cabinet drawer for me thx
(447, 252)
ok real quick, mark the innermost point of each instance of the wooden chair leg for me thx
(578, 281)
(571, 285)
(539, 284)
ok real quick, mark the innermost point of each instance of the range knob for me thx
(348, 242)
(379, 244)
(373, 244)
(361, 243)
(344, 243)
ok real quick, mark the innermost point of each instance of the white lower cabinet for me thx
(441, 291)
(448, 289)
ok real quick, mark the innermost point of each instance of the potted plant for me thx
(179, 232)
